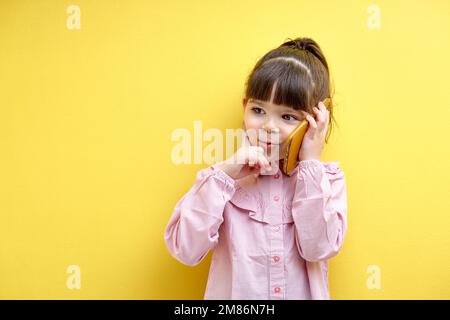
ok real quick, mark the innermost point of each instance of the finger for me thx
(319, 114)
(326, 111)
(311, 121)
(320, 117)
(264, 167)
(253, 156)
(264, 162)
(327, 119)
(322, 107)
(305, 115)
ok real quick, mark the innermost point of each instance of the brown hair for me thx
(300, 71)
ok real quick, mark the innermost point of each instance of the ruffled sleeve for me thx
(193, 227)
(319, 209)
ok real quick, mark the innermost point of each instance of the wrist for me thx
(229, 169)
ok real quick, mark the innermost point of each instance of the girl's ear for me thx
(244, 102)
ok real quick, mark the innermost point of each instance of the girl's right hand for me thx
(247, 160)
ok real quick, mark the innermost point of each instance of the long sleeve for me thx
(319, 209)
(193, 227)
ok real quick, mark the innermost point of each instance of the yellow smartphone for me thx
(291, 147)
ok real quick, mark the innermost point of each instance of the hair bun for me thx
(309, 45)
(299, 43)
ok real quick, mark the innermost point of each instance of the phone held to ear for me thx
(291, 147)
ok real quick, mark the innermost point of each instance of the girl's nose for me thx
(269, 126)
(271, 129)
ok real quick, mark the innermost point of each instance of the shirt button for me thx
(276, 176)
(276, 198)
(276, 258)
(276, 228)
(277, 289)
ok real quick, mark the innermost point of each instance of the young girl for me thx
(272, 234)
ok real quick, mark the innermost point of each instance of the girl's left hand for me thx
(314, 139)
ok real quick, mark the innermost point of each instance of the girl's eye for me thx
(257, 110)
(289, 116)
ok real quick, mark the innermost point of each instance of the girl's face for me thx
(271, 123)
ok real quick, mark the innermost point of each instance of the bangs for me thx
(294, 85)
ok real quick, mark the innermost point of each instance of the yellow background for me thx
(86, 117)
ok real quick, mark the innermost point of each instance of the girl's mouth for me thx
(266, 144)
(271, 149)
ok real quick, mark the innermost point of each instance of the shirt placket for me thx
(276, 260)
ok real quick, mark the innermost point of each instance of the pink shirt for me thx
(271, 234)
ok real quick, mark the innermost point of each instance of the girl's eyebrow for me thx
(258, 101)
(286, 109)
